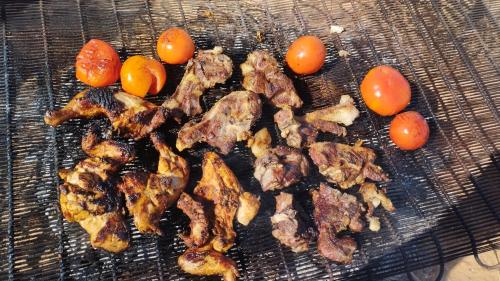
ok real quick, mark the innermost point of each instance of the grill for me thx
(446, 194)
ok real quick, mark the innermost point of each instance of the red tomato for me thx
(409, 130)
(141, 75)
(175, 46)
(306, 55)
(97, 64)
(385, 90)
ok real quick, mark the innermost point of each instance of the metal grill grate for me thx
(446, 194)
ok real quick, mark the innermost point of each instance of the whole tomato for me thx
(141, 75)
(97, 64)
(306, 55)
(385, 90)
(175, 46)
(409, 130)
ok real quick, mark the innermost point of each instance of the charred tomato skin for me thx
(97, 64)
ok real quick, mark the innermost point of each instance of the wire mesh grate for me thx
(446, 194)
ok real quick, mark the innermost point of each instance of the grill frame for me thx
(452, 218)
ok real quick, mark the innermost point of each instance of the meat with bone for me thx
(346, 165)
(227, 122)
(205, 261)
(208, 68)
(263, 76)
(295, 130)
(130, 116)
(87, 196)
(199, 221)
(149, 195)
(286, 225)
(334, 212)
(374, 197)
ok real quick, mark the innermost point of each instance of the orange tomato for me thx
(306, 55)
(175, 46)
(141, 75)
(97, 64)
(409, 130)
(385, 90)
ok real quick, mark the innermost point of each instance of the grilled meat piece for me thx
(208, 68)
(295, 130)
(206, 261)
(248, 209)
(263, 76)
(329, 118)
(286, 225)
(227, 122)
(199, 221)
(87, 197)
(334, 212)
(346, 165)
(130, 116)
(373, 197)
(220, 186)
(280, 167)
(149, 195)
(260, 143)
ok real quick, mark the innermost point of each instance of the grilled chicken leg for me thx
(206, 261)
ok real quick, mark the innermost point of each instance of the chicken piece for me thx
(199, 221)
(87, 198)
(334, 212)
(373, 198)
(206, 261)
(286, 225)
(227, 122)
(263, 76)
(280, 167)
(260, 143)
(220, 186)
(329, 118)
(295, 130)
(346, 165)
(208, 68)
(248, 209)
(130, 116)
(149, 195)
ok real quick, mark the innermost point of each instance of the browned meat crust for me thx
(295, 130)
(205, 261)
(130, 116)
(208, 68)
(199, 224)
(227, 122)
(328, 119)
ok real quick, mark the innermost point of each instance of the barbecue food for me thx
(295, 130)
(206, 261)
(374, 197)
(346, 165)
(208, 68)
(286, 225)
(220, 186)
(199, 221)
(227, 122)
(263, 76)
(87, 197)
(260, 143)
(328, 119)
(130, 116)
(148, 195)
(334, 212)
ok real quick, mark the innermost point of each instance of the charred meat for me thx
(148, 195)
(199, 224)
(286, 225)
(263, 76)
(374, 197)
(329, 119)
(346, 165)
(208, 68)
(295, 130)
(130, 116)
(334, 212)
(205, 261)
(227, 122)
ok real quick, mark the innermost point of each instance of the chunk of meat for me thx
(220, 186)
(149, 195)
(280, 167)
(248, 209)
(295, 130)
(346, 165)
(199, 221)
(329, 118)
(334, 212)
(262, 75)
(373, 197)
(206, 261)
(286, 225)
(130, 116)
(260, 143)
(208, 68)
(227, 122)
